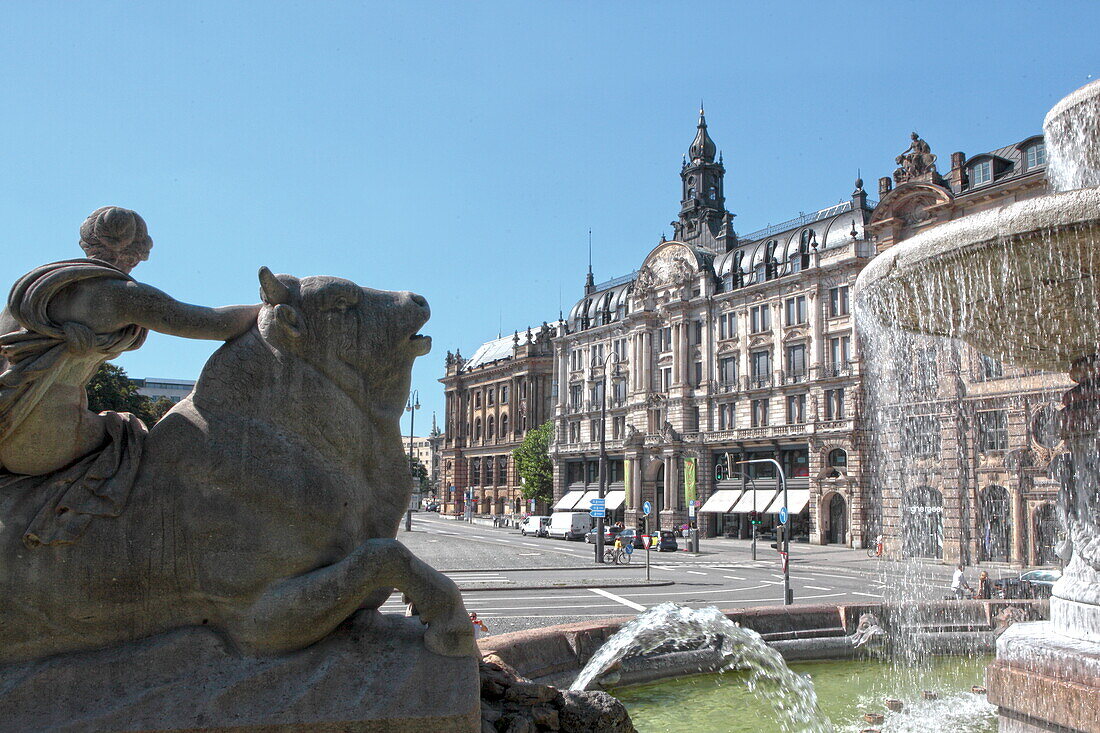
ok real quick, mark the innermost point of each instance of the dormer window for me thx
(981, 173)
(1036, 154)
(712, 193)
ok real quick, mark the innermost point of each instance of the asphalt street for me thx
(516, 582)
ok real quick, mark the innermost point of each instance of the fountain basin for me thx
(1017, 283)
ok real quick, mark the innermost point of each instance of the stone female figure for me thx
(62, 321)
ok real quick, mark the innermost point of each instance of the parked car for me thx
(534, 524)
(432, 507)
(609, 533)
(569, 525)
(667, 541)
(1030, 584)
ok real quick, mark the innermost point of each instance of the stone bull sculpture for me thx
(266, 503)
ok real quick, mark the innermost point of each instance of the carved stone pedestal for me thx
(372, 674)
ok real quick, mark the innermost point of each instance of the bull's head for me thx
(364, 340)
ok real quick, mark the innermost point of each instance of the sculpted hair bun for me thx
(110, 229)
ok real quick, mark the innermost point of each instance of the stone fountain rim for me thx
(1001, 227)
(1081, 94)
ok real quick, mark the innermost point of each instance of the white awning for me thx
(568, 501)
(753, 501)
(585, 503)
(798, 499)
(615, 499)
(721, 501)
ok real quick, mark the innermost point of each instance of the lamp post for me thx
(411, 407)
(788, 596)
(602, 491)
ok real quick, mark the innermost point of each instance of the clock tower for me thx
(704, 221)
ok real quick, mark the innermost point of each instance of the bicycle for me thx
(874, 551)
(615, 555)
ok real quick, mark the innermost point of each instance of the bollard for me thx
(874, 718)
(893, 705)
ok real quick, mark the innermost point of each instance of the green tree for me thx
(533, 463)
(420, 473)
(111, 389)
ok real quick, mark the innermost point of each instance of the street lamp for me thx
(612, 356)
(411, 407)
(788, 596)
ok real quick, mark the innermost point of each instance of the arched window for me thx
(737, 275)
(838, 458)
(771, 266)
(477, 429)
(800, 260)
(1046, 427)
(504, 427)
(489, 427)
(712, 193)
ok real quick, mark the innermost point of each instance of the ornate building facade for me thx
(975, 440)
(492, 400)
(718, 349)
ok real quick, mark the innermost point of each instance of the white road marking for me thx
(528, 554)
(733, 577)
(617, 599)
(815, 587)
(869, 595)
(694, 572)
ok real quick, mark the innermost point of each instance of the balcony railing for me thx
(759, 381)
(836, 369)
(795, 376)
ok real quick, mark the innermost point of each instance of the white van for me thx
(534, 524)
(569, 525)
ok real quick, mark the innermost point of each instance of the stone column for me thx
(677, 360)
(672, 484)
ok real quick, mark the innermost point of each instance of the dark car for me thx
(667, 541)
(1031, 584)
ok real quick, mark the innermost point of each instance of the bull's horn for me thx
(272, 291)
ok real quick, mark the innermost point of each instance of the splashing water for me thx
(668, 626)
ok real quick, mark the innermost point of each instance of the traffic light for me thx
(720, 470)
(780, 534)
(754, 518)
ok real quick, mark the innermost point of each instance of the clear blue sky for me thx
(464, 150)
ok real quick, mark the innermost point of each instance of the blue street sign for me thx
(647, 508)
(597, 513)
(784, 515)
(599, 503)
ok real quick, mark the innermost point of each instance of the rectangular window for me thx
(796, 363)
(989, 368)
(490, 471)
(664, 339)
(760, 363)
(926, 375)
(593, 430)
(727, 371)
(698, 374)
(619, 347)
(920, 436)
(981, 173)
(834, 404)
(696, 333)
(596, 355)
(1037, 155)
(504, 394)
(760, 413)
(576, 396)
(760, 319)
(992, 431)
(727, 325)
(839, 355)
(666, 379)
(796, 409)
(726, 415)
(618, 392)
(838, 301)
(596, 393)
(477, 398)
(796, 310)
(618, 427)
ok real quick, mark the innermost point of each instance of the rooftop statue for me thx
(917, 160)
(262, 507)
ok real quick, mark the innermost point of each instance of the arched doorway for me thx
(1045, 534)
(922, 529)
(836, 532)
(996, 524)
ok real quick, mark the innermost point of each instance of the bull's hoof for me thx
(451, 639)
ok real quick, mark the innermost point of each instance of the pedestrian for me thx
(958, 583)
(985, 586)
(480, 629)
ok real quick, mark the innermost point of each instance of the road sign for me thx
(628, 548)
(646, 539)
(647, 508)
(597, 513)
(691, 509)
(784, 515)
(697, 502)
(599, 503)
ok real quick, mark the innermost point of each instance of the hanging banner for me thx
(627, 483)
(690, 479)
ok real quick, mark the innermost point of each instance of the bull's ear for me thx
(272, 291)
(286, 317)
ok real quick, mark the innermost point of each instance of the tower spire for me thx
(702, 148)
(589, 281)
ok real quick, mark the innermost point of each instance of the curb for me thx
(653, 584)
